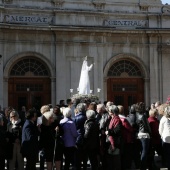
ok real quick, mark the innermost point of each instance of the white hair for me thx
(67, 112)
(90, 114)
(100, 107)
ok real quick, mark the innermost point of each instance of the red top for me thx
(127, 130)
(154, 125)
(113, 123)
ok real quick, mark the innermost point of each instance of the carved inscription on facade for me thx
(26, 19)
(126, 23)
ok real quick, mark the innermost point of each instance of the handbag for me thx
(116, 151)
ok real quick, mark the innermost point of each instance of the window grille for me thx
(29, 67)
(124, 68)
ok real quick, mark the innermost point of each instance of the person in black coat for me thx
(91, 138)
(50, 141)
(29, 147)
(3, 144)
(80, 119)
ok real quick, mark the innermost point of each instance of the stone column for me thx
(53, 91)
(147, 91)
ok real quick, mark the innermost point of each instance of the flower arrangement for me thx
(168, 100)
(82, 98)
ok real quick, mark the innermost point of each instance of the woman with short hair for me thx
(47, 141)
(114, 136)
(69, 137)
(14, 129)
(164, 131)
(91, 138)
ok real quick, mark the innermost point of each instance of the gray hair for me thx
(14, 113)
(167, 112)
(80, 107)
(113, 109)
(100, 106)
(67, 112)
(90, 114)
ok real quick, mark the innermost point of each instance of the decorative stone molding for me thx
(58, 3)
(99, 4)
(8, 1)
(144, 6)
(166, 9)
(164, 48)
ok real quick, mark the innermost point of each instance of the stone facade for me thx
(62, 32)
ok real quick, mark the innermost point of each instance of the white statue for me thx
(84, 83)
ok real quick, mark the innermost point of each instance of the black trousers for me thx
(2, 163)
(69, 153)
(80, 157)
(31, 162)
(92, 155)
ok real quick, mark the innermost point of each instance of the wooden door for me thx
(125, 91)
(29, 92)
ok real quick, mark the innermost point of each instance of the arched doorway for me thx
(125, 84)
(29, 84)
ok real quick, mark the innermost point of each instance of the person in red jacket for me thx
(156, 138)
(114, 134)
(127, 140)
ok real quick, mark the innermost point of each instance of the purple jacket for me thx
(70, 132)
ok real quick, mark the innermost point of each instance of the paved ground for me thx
(157, 161)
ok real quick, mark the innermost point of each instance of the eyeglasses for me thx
(12, 116)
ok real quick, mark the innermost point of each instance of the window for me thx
(29, 67)
(124, 68)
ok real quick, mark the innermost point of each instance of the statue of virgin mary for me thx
(84, 83)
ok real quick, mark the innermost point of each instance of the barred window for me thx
(29, 67)
(124, 68)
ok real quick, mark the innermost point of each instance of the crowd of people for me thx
(64, 137)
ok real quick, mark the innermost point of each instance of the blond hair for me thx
(121, 109)
(161, 108)
(153, 112)
(167, 112)
(44, 109)
(46, 117)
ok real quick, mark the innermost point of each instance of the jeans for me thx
(145, 148)
(166, 152)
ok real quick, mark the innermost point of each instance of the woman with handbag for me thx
(114, 135)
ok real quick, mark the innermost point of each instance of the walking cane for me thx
(54, 150)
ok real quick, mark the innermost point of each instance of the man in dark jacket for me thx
(3, 144)
(80, 119)
(29, 148)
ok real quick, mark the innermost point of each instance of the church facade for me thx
(44, 42)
